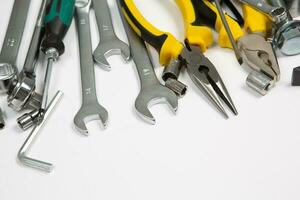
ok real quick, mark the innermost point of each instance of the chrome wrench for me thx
(109, 44)
(22, 93)
(11, 44)
(90, 109)
(152, 91)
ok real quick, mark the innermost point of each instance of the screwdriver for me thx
(59, 15)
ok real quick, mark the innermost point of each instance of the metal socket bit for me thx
(260, 82)
(170, 76)
(176, 86)
(28, 119)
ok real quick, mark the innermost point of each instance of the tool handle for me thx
(140, 55)
(59, 15)
(165, 43)
(196, 32)
(211, 18)
(255, 21)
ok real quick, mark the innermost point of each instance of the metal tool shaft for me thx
(90, 108)
(14, 31)
(33, 51)
(11, 44)
(109, 44)
(22, 155)
(47, 82)
(229, 33)
(152, 92)
(22, 93)
(103, 17)
(86, 60)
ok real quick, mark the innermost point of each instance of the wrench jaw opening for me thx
(152, 96)
(8, 74)
(110, 48)
(90, 113)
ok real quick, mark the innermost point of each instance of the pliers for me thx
(255, 51)
(175, 54)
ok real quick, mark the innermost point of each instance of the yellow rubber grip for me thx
(255, 22)
(165, 43)
(196, 34)
(235, 28)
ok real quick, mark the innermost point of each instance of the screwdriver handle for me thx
(59, 15)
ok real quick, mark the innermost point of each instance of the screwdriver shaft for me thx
(229, 33)
(47, 79)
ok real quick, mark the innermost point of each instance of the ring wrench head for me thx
(8, 73)
(23, 94)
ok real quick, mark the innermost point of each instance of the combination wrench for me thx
(90, 109)
(152, 91)
(11, 44)
(109, 44)
(22, 92)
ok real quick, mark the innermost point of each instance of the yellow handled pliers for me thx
(189, 54)
(254, 50)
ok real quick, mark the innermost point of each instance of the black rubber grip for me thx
(54, 33)
(204, 15)
(154, 40)
(59, 14)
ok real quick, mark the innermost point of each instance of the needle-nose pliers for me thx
(188, 54)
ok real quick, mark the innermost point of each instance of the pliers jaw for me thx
(205, 76)
(258, 54)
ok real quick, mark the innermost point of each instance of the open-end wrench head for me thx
(88, 113)
(154, 95)
(109, 48)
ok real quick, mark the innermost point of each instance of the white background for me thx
(196, 154)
